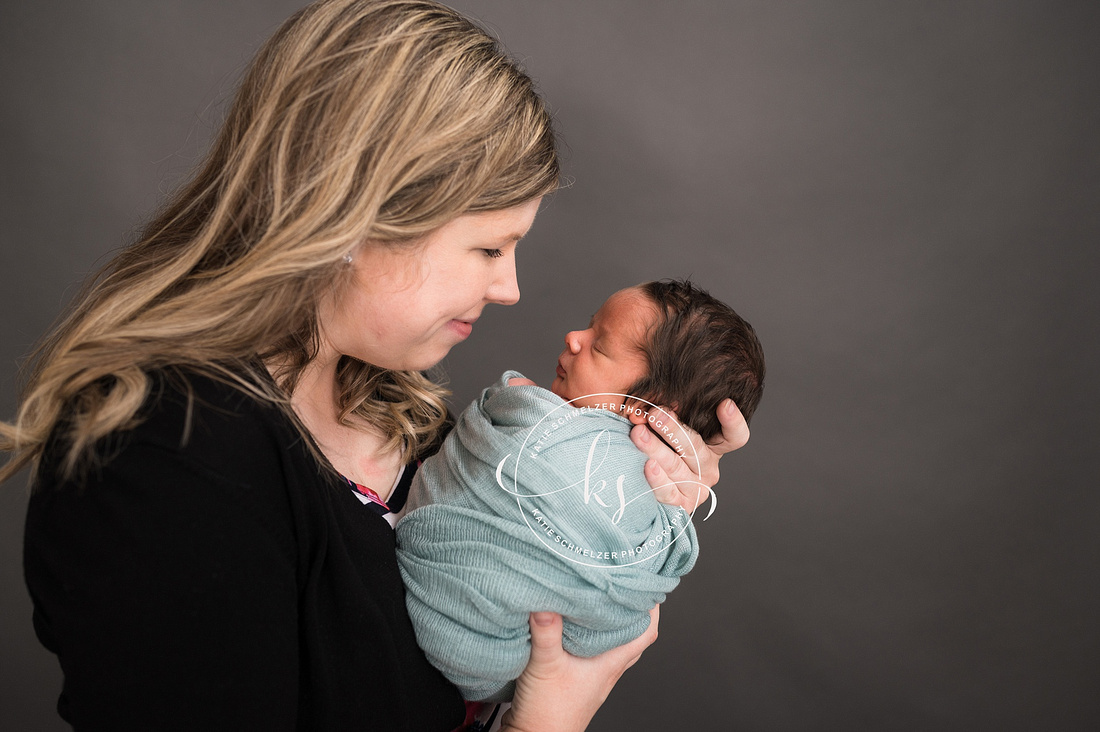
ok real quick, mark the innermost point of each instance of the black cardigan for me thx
(223, 581)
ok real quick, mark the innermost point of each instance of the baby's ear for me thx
(516, 381)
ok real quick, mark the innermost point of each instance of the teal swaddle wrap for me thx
(477, 559)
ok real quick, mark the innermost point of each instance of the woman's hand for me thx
(673, 477)
(558, 692)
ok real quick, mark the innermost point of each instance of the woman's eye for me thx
(493, 253)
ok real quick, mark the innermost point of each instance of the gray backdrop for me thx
(903, 199)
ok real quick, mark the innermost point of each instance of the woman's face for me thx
(406, 307)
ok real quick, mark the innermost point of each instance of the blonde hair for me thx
(359, 120)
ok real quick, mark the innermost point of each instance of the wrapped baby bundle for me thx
(533, 505)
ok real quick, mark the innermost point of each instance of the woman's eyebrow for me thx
(515, 237)
(504, 239)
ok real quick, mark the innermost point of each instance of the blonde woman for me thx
(214, 425)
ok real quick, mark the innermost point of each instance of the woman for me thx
(196, 557)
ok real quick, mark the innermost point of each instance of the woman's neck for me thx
(356, 450)
(315, 395)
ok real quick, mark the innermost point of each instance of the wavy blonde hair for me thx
(359, 120)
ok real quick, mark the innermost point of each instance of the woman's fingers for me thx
(548, 657)
(672, 477)
(735, 430)
(633, 650)
(560, 693)
(689, 472)
(654, 447)
(683, 476)
(665, 490)
(546, 650)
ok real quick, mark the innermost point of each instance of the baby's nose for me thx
(573, 341)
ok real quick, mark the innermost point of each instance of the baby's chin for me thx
(558, 386)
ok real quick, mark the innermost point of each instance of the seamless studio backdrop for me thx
(901, 197)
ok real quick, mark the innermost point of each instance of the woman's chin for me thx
(413, 362)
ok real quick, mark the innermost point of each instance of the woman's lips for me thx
(462, 327)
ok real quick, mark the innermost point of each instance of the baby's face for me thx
(606, 357)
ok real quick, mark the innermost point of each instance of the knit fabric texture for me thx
(530, 505)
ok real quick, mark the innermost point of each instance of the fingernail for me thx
(543, 619)
(645, 434)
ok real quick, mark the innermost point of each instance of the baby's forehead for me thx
(629, 311)
(633, 299)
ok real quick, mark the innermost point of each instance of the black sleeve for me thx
(168, 593)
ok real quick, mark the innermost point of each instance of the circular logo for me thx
(579, 484)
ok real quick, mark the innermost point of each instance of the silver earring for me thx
(347, 259)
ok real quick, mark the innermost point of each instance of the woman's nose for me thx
(505, 287)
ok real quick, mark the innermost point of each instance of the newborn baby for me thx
(537, 499)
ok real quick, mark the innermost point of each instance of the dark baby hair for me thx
(699, 352)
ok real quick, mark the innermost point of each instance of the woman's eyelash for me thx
(494, 253)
